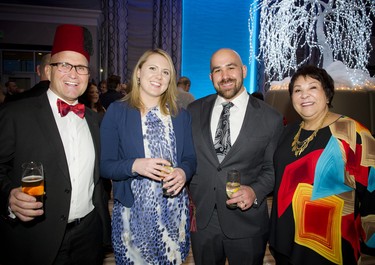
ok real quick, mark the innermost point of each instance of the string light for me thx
(332, 30)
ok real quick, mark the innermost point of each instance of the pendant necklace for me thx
(297, 146)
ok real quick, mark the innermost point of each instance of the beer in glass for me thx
(33, 180)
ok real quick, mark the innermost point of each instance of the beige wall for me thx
(359, 105)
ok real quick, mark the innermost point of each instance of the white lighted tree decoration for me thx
(332, 29)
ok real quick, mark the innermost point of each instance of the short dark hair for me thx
(7, 84)
(258, 95)
(183, 80)
(113, 81)
(318, 74)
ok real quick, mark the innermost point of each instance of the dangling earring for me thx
(138, 81)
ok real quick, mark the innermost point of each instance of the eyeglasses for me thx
(67, 67)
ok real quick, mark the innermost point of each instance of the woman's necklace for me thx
(297, 146)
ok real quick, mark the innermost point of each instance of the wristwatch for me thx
(11, 215)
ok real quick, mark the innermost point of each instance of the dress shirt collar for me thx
(52, 98)
(239, 102)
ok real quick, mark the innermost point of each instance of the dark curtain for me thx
(114, 38)
(130, 27)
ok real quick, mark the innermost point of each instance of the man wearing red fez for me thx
(69, 223)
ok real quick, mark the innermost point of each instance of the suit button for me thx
(67, 191)
(219, 169)
(63, 218)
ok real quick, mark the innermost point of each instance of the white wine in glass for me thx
(167, 155)
(233, 185)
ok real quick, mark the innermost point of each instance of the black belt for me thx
(75, 222)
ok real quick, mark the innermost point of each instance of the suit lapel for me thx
(251, 117)
(206, 113)
(46, 121)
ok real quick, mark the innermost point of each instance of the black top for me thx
(320, 194)
(110, 96)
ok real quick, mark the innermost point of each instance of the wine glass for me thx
(33, 179)
(233, 185)
(166, 155)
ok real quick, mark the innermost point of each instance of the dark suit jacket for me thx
(29, 133)
(36, 90)
(110, 96)
(251, 154)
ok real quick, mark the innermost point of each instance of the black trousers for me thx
(211, 247)
(82, 243)
(280, 259)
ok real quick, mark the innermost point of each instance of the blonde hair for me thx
(168, 99)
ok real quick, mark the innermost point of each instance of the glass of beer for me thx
(33, 180)
(233, 185)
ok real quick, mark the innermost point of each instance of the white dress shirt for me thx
(237, 115)
(80, 155)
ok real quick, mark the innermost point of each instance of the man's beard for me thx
(231, 93)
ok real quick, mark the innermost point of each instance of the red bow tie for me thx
(64, 108)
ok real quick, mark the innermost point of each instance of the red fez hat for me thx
(73, 38)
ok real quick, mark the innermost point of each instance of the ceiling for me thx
(78, 4)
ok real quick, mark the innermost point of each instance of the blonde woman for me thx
(136, 133)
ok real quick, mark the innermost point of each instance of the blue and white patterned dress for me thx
(155, 230)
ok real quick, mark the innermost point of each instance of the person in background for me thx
(91, 99)
(244, 141)
(123, 89)
(43, 84)
(184, 97)
(324, 202)
(103, 87)
(2, 95)
(39, 88)
(112, 94)
(72, 224)
(12, 90)
(147, 227)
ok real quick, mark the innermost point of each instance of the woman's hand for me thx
(151, 167)
(154, 168)
(175, 181)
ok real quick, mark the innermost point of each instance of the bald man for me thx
(232, 130)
